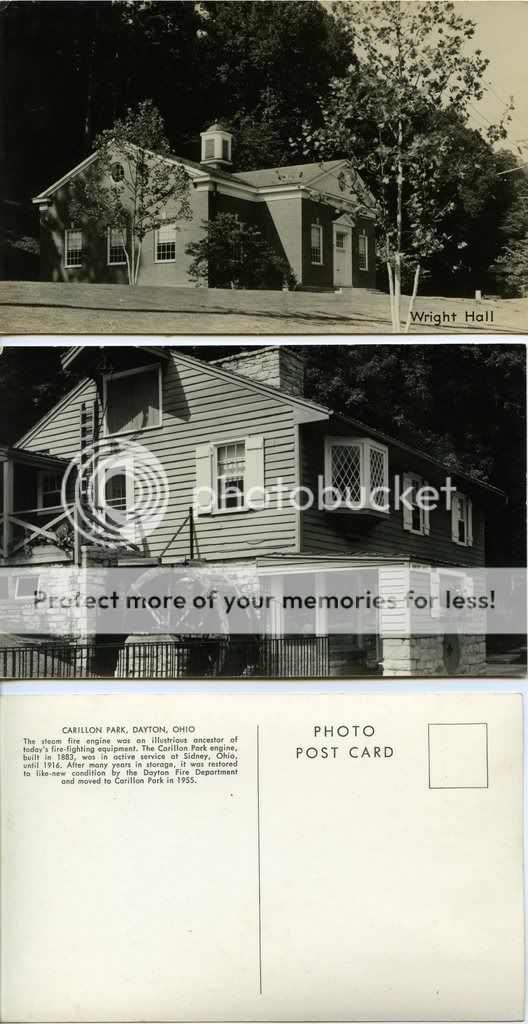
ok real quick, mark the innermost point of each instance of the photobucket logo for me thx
(328, 497)
(115, 492)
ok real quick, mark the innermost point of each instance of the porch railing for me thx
(286, 657)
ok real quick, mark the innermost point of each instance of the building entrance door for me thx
(342, 256)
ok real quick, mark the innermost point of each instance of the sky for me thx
(502, 34)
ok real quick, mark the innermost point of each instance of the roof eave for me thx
(416, 453)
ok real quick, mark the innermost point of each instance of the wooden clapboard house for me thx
(244, 421)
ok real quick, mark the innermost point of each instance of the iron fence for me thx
(286, 657)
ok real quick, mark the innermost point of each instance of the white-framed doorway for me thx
(342, 249)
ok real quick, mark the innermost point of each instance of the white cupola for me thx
(216, 146)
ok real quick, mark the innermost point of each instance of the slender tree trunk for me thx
(399, 231)
(391, 287)
(132, 278)
(127, 257)
(412, 300)
(138, 259)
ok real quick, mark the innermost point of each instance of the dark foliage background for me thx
(69, 68)
(463, 404)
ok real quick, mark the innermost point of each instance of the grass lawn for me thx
(33, 307)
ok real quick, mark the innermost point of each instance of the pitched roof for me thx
(293, 174)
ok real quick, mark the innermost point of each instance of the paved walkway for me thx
(29, 307)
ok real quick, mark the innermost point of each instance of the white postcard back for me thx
(332, 857)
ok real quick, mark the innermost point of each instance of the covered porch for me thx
(35, 525)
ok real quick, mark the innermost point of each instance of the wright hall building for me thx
(318, 216)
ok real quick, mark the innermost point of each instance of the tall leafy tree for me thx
(266, 66)
(397, 117)
(131, 183)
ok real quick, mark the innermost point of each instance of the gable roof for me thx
(309, 412)
(300, 174)
(253, 181)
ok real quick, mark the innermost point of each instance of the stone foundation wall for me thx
(437, 655)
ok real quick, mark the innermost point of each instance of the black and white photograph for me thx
(267, 511)
(279, 168)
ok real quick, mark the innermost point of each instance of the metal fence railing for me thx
(286, 657)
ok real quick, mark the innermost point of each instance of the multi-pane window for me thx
(462, 520)
(116, 249)
(412, 512)
(316, 244)
(166, 243)
(73, 248)
(116, 498)
(132, 400)
(340, 240)
(230, 471)
(347, 471)
(357, 470)
(50, 485)
(363, 252)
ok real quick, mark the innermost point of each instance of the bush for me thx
(233, 254)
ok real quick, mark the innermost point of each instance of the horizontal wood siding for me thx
(60, 434)
(349, 532)
(200, 407)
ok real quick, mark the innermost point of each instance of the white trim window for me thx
(415, 516)
(363, 254)
(230, 473)
(165, 244)
(462, 520)
(132, 400)
(230, 476)
(115, 488)
(340, 240)
(73, 247)
(357, 469)
(316, 244)
(49, 489)
(115, 249)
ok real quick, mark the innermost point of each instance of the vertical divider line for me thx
(259, 865)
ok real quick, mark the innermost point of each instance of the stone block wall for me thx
(437, 655)
(278, 365)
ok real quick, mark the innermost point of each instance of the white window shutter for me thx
(425, 514)
(454, 518)
(407, 512)
(203, 493)
(469, 522)
(254, 475)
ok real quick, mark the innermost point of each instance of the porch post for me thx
(7, 507)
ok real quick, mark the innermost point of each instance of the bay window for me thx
(358, 471)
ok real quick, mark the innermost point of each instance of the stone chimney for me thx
(282, 366)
